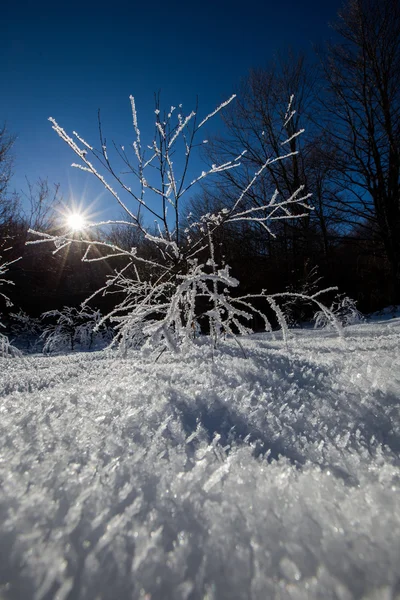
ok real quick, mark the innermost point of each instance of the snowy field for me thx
(271, 476)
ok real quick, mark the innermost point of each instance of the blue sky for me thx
(66, 60)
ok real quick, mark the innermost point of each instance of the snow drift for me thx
(275, 476)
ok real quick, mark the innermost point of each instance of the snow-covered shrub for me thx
(299, 311)
(7, 349)
(345, 311)
(173, 284)
(178, 318)
(25, 331)
(91, 331)
(71, 329)
(59, 333)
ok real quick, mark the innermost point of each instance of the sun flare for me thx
(76, 221)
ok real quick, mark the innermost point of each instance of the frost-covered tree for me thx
(70, 328)
(173, 286)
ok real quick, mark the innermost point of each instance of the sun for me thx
(76, 221)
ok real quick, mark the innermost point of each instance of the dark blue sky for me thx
(66, 60)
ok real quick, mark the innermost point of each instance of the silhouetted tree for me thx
(363, 74)
(254, 122)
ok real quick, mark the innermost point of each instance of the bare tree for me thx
(43, 201)
(363, 74)
(6, 158)
(256, 122)
(9, 208)
(10, 205)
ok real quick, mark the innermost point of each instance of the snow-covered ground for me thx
(271, 476)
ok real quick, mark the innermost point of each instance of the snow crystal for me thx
(205, 476)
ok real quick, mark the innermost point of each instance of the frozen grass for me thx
(275, 476)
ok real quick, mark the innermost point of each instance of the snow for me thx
(201, 476)
(390, 312)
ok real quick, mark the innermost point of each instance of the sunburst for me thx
(75, 221)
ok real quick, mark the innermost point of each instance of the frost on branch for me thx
(171, 284)
(4, 266)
